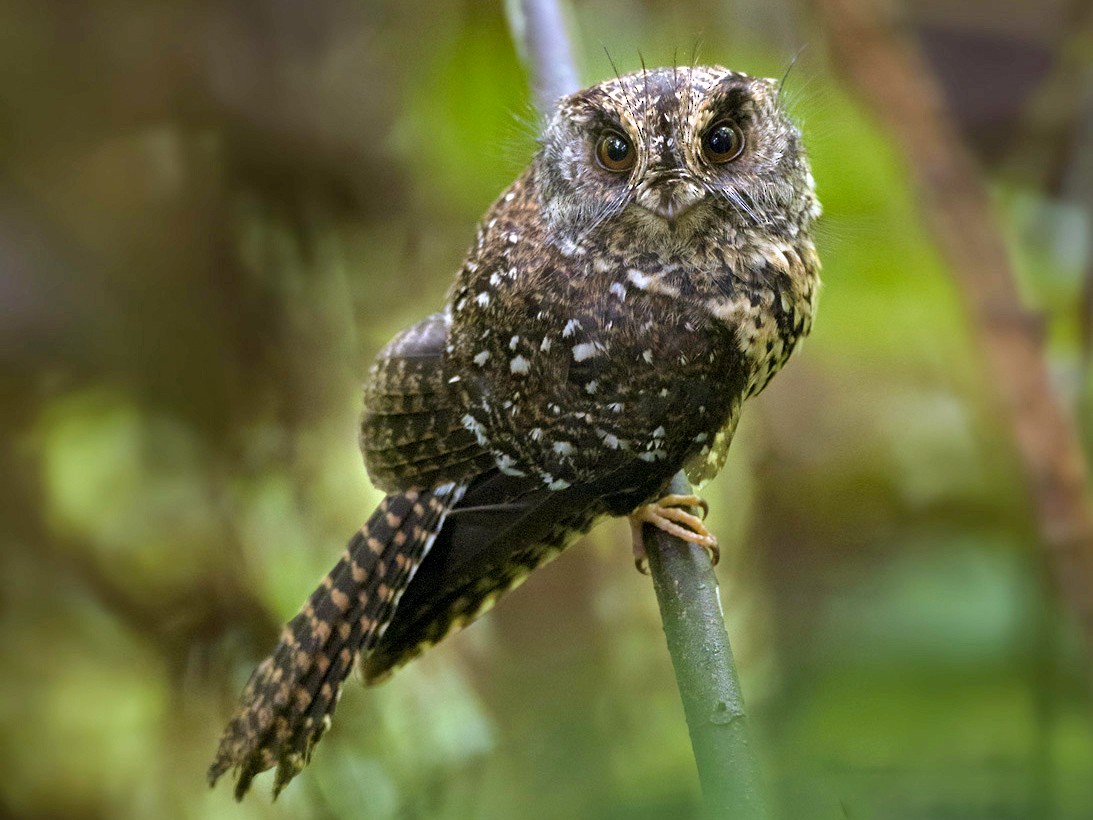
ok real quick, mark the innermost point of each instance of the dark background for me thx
(213, 214)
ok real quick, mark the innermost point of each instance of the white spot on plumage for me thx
(648, 356)
(545, 345)
(481, 358)
(558, 484)
(619, 289)
(483, 298)
(515, 340)
(495, 279)
(536, 433)
(616, 407)
(571, 327)
(611, 440)
(638, 279)
(592, 387)
(586, 350)
(519, 365)
(659, 432)
(652, 284)
(513, 238)
(563, 448)
(701, 437)
(510, 196)
(507, 465)
(473, 425)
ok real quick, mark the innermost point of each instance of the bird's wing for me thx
(504, 528)
(412, 431)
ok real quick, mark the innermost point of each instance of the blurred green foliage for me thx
(212, 216)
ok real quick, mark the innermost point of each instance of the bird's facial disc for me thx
(674, 153)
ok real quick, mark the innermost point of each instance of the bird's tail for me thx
(287, 704)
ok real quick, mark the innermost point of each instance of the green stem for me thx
(694, 626)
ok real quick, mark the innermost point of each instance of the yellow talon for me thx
(667, 513)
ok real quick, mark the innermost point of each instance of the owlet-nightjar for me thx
(649, 271)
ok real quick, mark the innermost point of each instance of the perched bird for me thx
(649, 271)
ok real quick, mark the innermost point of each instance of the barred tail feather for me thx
(288, 702)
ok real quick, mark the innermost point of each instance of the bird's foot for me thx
(670, 514)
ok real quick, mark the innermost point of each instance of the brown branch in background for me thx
(896, 83)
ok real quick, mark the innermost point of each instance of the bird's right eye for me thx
(615, 153)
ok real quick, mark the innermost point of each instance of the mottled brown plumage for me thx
(651, 270)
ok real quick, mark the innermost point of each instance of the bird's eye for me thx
(724, 142)
(615, 153)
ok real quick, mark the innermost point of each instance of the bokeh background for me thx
(213, 214)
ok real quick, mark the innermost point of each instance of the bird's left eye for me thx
(724, 142)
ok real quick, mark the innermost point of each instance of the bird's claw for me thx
(670, 514)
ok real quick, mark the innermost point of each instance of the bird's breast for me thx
(583, 382)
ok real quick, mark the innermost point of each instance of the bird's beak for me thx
(670, 198)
